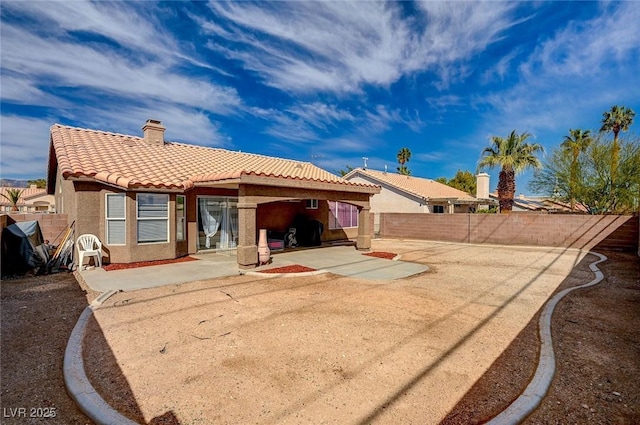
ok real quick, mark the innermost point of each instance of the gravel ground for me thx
(38, 314)
(595, 332)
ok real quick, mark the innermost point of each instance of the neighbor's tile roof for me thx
(421, 187)
(129, 162)
(27, 193)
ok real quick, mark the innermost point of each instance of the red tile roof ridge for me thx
(128, 161)
(414, 185)
(128, 136)
(184, 144)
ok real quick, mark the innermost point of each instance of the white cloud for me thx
(65, 64)
(341, 46)
(431, 156)
(501, 68)
(319, 122)
(571, 78)
(321, 115)
(182, 125)
(589, 48)
(118, 21)
(25, 146)
(24, 90)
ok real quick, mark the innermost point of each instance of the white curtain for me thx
(234, 226)
(210, 220)
(224, 225)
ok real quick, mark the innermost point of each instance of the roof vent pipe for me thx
(153, 131)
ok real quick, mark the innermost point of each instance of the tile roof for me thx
(538, 203)
(417, 186)
(129, 162)
(27, 193)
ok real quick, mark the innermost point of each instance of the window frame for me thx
(311, 204)
(181, 225)
(143, 219)
(110, 219)
(439, 207)
(334, 219)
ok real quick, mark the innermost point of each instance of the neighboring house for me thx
(408, 194)
(149, 199)
(523, 203)
(32, 200)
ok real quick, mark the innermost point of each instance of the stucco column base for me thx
(363, 243)
(247, 256)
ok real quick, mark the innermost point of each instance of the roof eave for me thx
(281, 181)
(129, 188)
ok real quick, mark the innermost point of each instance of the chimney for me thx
(482, 186)
(153, 132)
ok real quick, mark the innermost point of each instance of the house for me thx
(32, 200)
(522, 203)
(408, 194)
(151, 199)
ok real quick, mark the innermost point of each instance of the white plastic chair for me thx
(89, 246)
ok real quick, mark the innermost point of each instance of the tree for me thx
(514, 155)
(575, 143)
(343, 173)
(13, 196)
(40, 183)
(594, 188)
(615, 120)
(403, 156)
(463, 180)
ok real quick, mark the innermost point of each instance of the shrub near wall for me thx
(575, 231)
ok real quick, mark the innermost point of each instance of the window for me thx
(342, 215)
(312, 204)
(439, 209)
(153, 218)
(180, 218)
(116, 218)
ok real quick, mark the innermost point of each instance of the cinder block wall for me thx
(575, 231)
(51, 225)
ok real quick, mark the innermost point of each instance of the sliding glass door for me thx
(217, 223)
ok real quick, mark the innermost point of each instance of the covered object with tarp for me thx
(22, 248)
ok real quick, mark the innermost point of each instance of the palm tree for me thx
(514, 156)
(575, 143)
(403, 156)
(618, 119)
(13, 196)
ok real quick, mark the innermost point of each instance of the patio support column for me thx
(247, 250)
(363, 241)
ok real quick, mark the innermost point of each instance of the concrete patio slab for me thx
(341, 260)
(209, 266)
(347, 261)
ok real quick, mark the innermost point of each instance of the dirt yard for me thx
(328, 349)
(38, 314)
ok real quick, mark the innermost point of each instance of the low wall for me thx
(575, 231)
(52, 225)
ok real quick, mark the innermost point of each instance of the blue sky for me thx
(327, 82)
